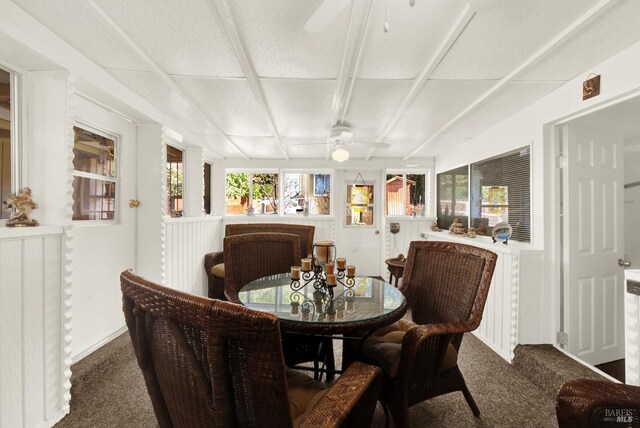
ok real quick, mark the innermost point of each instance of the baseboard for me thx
(494, 348)
(57, 417)
(587, 365)
(98, 345)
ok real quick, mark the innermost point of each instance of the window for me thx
(251, 193)
(175, 180)
(500, 191)
(360, 205)
(307, 194)
(6, 149)
(207, 188)
(94, 175)
(453, 197)
(405, 194)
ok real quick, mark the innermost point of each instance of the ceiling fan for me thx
(341, 136)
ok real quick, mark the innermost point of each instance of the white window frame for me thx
(404, 173)
(15, 116)
(116, 207)
(328, 172)
(251, 172)
(175, 145)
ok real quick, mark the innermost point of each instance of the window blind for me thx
(500, 190)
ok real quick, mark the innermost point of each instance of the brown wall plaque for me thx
(591, 87)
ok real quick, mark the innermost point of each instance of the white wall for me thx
(620, 80)
(103, 249)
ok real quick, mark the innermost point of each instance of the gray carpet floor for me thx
(108, 391)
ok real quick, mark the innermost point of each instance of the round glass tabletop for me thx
(369, 304)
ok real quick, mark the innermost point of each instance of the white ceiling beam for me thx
(575, 27)
(164, 76)
(447, 42)
(226, 16)
(354, 47)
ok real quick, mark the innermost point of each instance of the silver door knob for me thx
(623, 263)
(377, 232)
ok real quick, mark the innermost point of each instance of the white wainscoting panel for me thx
(34, 361)
(187, 241)
(514, 280)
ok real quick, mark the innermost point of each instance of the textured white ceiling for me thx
(614, 31)
(78, 24)
(183, 38)
(300, 116)
(278, 44)
(229, 103)
(438, 102)
(279, 73)
(503, 36)
(514, 97)
(373, 103)
(414, 35)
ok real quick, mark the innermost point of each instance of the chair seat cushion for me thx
(304, 393)
(385, 346)
(218, 270)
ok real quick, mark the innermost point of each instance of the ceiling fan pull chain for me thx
(386, 24)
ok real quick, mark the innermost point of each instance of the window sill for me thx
(514, 247)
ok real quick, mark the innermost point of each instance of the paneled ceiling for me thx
(248, 78)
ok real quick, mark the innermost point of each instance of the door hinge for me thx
(561, 162)
(563, 339)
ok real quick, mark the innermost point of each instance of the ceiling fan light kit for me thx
(340, 154)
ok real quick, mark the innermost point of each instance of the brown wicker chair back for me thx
(254, 255)
(446, 286)
(209, 363)
(304, 232)
(447, 282)
(216, 281)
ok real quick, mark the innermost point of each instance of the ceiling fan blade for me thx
(324, 15)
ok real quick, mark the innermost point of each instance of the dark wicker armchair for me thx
(254, 255)
(596, 403)
(446, 286)
(214, 262)
(209, 363)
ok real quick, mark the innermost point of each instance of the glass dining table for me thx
(360, 309)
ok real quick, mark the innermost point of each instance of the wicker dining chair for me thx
(255, 255)
(597, 403)
(210, 363)
(214, 262)
(446, 286)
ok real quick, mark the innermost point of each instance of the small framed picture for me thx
(321, 184)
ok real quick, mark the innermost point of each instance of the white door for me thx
(632, 208)
(593, 243)
(101, 248)
(358, 236)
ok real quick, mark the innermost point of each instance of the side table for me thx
(396, 269)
